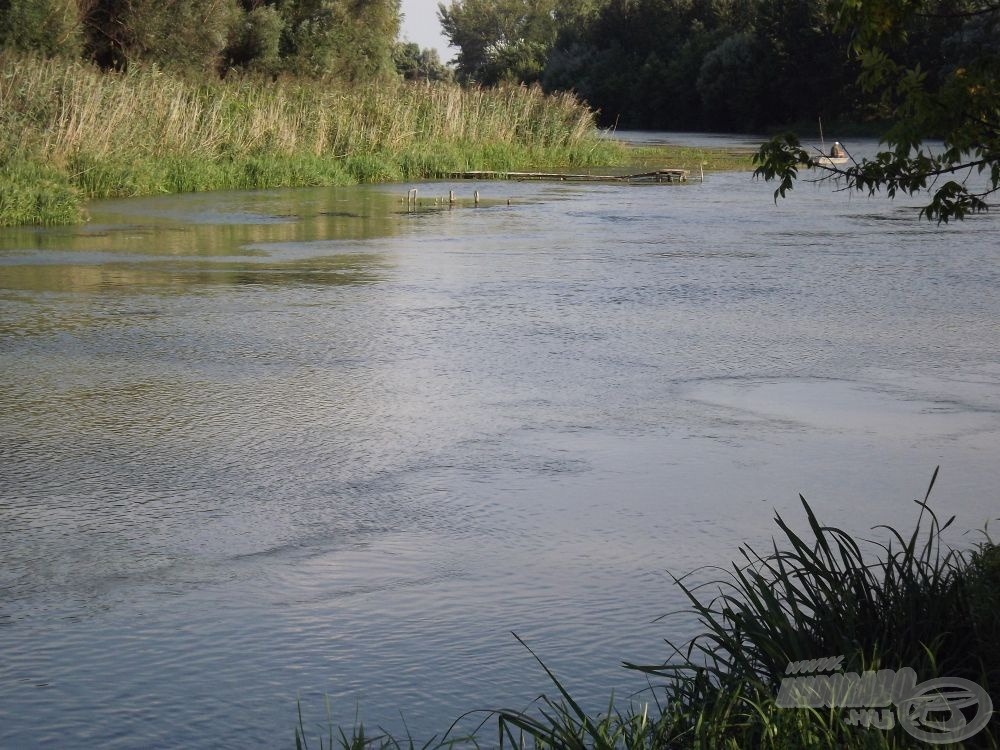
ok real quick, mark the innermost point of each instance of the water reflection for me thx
(191, 240)
(165, 277)
(213, 224)
(188, 244)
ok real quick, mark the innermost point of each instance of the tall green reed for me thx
(910, 601)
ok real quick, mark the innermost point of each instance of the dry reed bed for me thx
(56, 109)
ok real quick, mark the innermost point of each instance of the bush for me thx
(730, 85)
(180, 33)
(49, 27)
(335, 38)
(256, 41)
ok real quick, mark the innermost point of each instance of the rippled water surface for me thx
(257, 447)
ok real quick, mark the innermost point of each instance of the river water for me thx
(306, 444)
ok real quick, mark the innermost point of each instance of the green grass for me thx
(906, 601)
(693, 159)
(33, 193)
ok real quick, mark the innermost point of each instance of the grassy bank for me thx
(908, 601)
(693, 159)
(69, 133)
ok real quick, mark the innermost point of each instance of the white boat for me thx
(837, 156)
(831, 161)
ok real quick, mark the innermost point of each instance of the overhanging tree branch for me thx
(957, 101)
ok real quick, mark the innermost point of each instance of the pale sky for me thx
(420, 25)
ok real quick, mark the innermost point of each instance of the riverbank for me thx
(72, 133)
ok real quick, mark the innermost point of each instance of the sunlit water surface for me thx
(293, 444)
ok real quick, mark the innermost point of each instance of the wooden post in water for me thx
(451, 197)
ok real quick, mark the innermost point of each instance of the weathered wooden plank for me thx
(659, 175)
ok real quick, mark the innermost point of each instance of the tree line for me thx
(353, 40)
(741, 65)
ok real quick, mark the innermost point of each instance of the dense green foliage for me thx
(742, 65)
(315, 38)
(508, 40)
(665, 64)
(416, 64)
(910, 601)
(932, 69)
(48, 26)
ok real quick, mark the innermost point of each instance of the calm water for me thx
(300, 443)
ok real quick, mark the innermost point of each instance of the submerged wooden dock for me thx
(660, 175)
